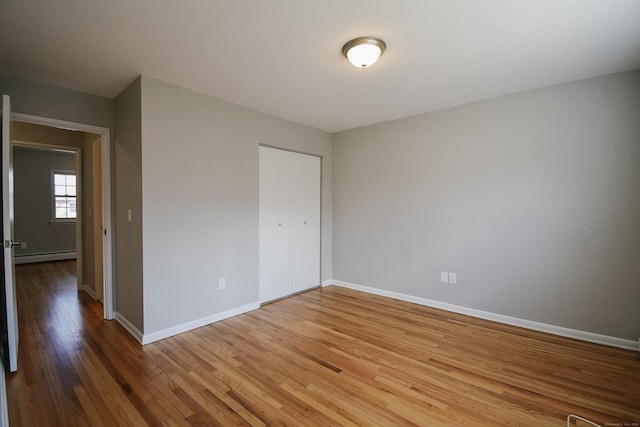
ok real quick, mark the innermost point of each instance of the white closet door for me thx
(276, 233)
(289, 223)
(306, 222)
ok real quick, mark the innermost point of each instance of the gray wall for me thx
(128, 180)
(200, 200)
(533, 199)
(54, 102)
(33, 205)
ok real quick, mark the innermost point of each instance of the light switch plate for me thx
(444, 277)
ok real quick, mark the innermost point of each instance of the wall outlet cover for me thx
(453, 278)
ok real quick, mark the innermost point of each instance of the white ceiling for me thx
(283, 57)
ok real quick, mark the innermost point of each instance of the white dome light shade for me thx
(363, 51)
(363, 55)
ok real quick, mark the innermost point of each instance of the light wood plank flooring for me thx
(326, 357)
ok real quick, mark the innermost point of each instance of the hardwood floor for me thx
(326, 357)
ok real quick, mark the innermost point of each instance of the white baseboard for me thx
(514, 321)
(58, 256)
(89, 290)
(175, 330)
(129, 327)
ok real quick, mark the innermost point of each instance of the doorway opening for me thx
(91, 206)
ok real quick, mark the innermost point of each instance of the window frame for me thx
(54, 218)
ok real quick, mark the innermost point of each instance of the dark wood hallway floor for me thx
(330, 356)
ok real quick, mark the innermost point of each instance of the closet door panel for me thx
(276, 232)
(306, 221)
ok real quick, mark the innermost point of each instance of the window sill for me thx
(62, 221)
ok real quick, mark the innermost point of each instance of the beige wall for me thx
(532, 199)
(47, 135)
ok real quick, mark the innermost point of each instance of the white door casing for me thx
(109, 309)
(97, 223)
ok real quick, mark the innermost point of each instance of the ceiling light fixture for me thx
(363, 52)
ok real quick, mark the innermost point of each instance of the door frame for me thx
(97, 223)
(107, 244)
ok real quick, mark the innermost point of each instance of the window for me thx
(64, 195)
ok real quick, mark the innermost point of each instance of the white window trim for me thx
(54, 220)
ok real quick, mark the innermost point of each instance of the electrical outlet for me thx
(222, 283)
(23, 245)
(444, 277)
(453, 278)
